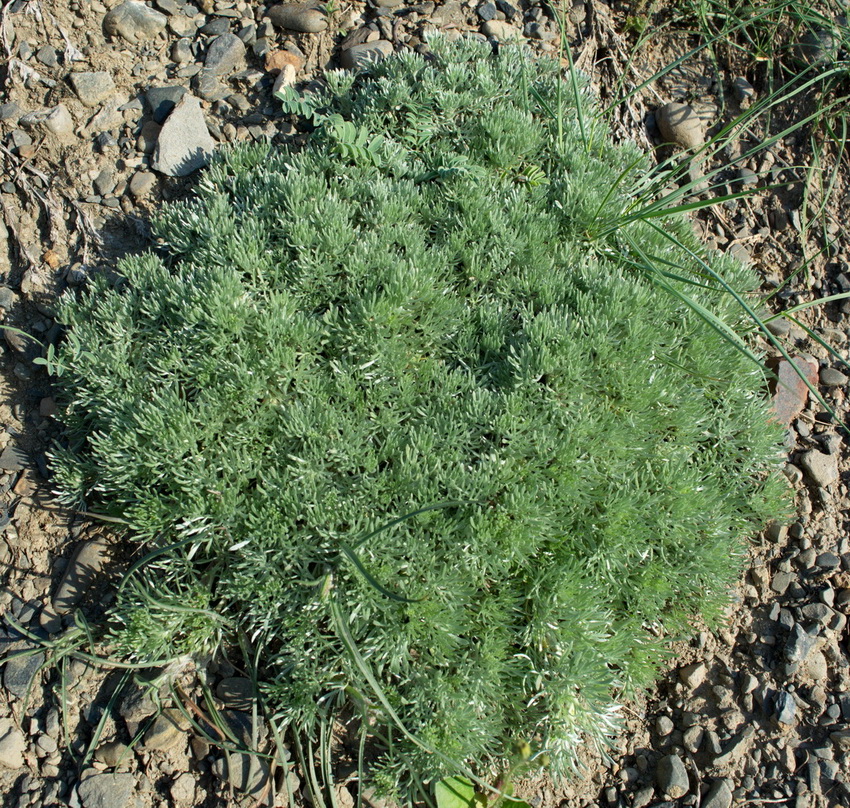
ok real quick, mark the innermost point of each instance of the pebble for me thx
(500, 31)
(184, 144)
(785, 708)
(112, 753)
(799, 645)
(821, 468)
(216, 27)
(47, 55)
(359, 56)
(830, 377)
(133, 21)
(735, 748)
(672, 776)
(19, 672)
(744, 91)
(275, 61)
(817, 667)
(10, 112)
(13, 744)
(106, 790)
(679, 124)
(208, 87)
(719, 795)
(183, 789)
(298, 17)
(92, 88)
(779, 327)
(78, 576)
(141, 184)
(225, 54)
(790, 392)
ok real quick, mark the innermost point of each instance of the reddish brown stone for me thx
(277, 60)
(789, 391)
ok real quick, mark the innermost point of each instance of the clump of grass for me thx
(397, 412)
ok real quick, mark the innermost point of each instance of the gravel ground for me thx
(107, 108)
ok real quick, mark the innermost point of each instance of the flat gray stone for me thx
(20, 670)
(501, 31)
(107, 791)
(785, 709)
(162, 100)
(300, 17)
(236, 692)
(184, 144)
(13, 458)
(246, 773)
(92, 88)
(133, 21)
(830, 377)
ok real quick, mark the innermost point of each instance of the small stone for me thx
(13, 458)
(830, 377)
(663, 726)
(672, 776)
(748, 178)
(828, 561)
(13, 744)
(744, 91)
(92, 88)
(236, 692)
(785, 709)
(487, 11)
(780, 327)
(692, 739)
(183, 789)
(225, 54)
(841, 739)
(59, 122)
(821, 468)
(133, 21)
(107, 790)
(679, 124)
(146, 141)
(298, 17)
(20, 670)
(181, 51)
(216, 27)
(78, 576)
(10, 112)
(141, 184)
(246, 773)
(817, 667)
(184, 144)
(112, 753)
(693, 675)
(104, 183)
(166, 731)
(817, 48)
(799, 645)
(286, 78)
(735, 748)
(719, 795)
(47, 55)
(208, 87)
(501, 31)
(359, 56)
(161, 100)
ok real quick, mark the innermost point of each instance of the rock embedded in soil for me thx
(112, 753)
(359, 56)
(679, 124)
(672, 776)
(236, 692)
(225, 54)
(107, 790)
(162, 100)
(167, 730)
(277, 60)
(13, 744)
(141, 184)
(133, 21)
(19, 672)
(92, 88)
(300, 17)
(246, 773)
(59, 122)
(830, 377)
(693, 675)
(184, 144)
(79, 575)
(822, 469)
(785, 709)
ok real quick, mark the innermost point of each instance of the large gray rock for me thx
(184, 145)
(107, 791)
(301, 17)
(133, 21)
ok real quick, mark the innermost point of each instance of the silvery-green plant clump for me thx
(404, 411)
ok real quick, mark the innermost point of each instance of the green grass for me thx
(426, 419)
